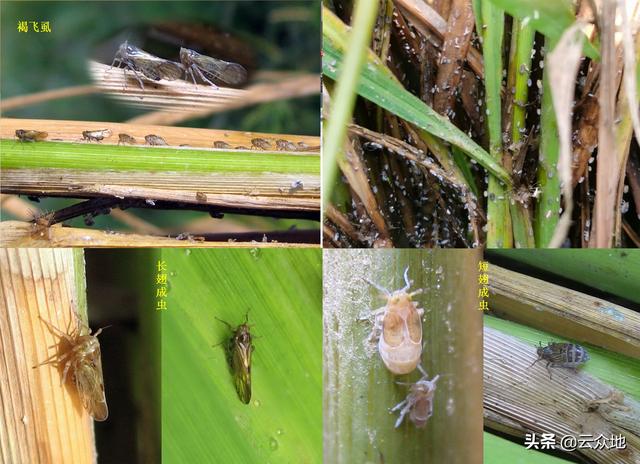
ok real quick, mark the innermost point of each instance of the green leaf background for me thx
(202, 417)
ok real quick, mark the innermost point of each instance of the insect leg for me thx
(139, 80)
(549, 365)
(67, 365)
(56, 330)
(189, 71)
(416, 292)
(202, 76)
(401, 404)
(531, 365)
(403, 413)
(383, 290)
(49, 360)
(372, 314)
(114, 63)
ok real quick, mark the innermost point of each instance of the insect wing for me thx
(152, 66)
(90, 385)
(152, 139)
(241, 364)
(170, 70)
(231, 73)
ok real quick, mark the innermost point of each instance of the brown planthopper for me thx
(41, 220)
(239, 351)
(260, 144)
(153, 139)
(96, 135)
(150, 66)
(419, 402)
(221, 144)
(79, 355)
(26, 135)
(568, 355)
(285, 145)
(397, 327)
(126, 139)
(207, 68)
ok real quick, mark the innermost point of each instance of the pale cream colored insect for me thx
(419, 402)
(397, 327)
(79, 353)
(96, 135)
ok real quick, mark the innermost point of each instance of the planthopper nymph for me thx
(79, 355)
(397, 327)
(419, 402)
(155, 140)
(568, 355)
(126, 139)
(239, 351)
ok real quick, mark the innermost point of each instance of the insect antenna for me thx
(225, 322)
(406, 280)
(99, 331)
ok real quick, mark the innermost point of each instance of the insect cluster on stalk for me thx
(191, 64)
(239, 351)
(397, 329)
(567, 355)
(79, 355)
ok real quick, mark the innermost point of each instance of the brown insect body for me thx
(207, 68)
(81, 358)
(221, 144)
(96, 135)
(568, 355)
(25, 135)
(150, 66)
(285, 145)
(419, 402)
(239, 351)
(126, 139)
(260, 144)
(398, 329)
(155, 140)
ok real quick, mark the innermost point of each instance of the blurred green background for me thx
(281, 36)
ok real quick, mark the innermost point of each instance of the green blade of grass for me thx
(519, 72)
(499, 450)
(499, 234)
(345, 93)
(377, 84)
(548, 207)
(551, 18)
(83, 156)
(203, 420)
